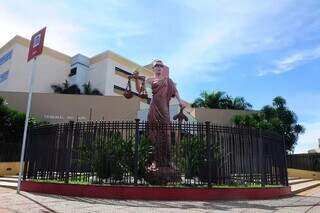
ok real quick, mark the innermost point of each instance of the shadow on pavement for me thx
(40, 204)
(271, 205)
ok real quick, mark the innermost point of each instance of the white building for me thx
(106, 72)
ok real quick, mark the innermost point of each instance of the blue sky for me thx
(250, 48)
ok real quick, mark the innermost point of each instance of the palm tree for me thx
(240, 103)
(210, 100)
(87, 90)
(279, 102)
(66, 88)
(220, 100)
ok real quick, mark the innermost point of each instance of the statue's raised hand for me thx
(135, 74)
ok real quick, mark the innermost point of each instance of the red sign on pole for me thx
(36, 44)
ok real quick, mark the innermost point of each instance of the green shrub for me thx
(191, 155)
(114, 157)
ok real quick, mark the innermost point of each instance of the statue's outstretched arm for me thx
(182, 104)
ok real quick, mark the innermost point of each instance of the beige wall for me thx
(303, 174)
(57, 108)
(217, 116)
(9, 168)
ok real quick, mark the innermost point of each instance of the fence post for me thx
(262, 160)
(69, 150)
(136, 151)
(208, 141)
(285, 162)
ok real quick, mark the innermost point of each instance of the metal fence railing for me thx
(310, 161)
(124, 153)
(10, 152)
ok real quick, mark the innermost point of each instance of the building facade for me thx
(108, 72)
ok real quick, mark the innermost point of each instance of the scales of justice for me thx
(163, 89)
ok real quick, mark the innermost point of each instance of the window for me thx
(6, 57)
(4, 76)
(117, 69)
(73, 71)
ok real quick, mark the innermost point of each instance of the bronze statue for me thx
(163, 89)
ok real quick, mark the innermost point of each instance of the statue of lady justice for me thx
(163, 89)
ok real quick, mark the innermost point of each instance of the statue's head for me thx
(160, 70)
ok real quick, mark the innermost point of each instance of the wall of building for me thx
(113, 78)
(5, 67)
(80, 63)
(54, 67)
(121, 79)
(174, 109)
(49, 70)
(97, 76)
(217, 116)
(303, 174)
(57, 108)
(9, 168)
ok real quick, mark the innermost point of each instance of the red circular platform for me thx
(155, 193)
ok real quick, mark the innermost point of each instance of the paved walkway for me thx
(10, 201)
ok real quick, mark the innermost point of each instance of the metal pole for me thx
(26, 122)
(285, 161)
(262, 160)
(209, 150)
(136, 151)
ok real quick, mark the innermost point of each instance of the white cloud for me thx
(71, 27)
(221, 31)
(203, 34)
(308, 140)
(23, 18)
(292, 61)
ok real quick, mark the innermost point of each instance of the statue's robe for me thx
(159, 119)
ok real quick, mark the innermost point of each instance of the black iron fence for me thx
(309, 161)
(134, 152)
(10, 152)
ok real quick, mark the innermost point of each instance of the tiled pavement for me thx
(10, 201)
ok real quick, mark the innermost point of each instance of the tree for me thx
(66, 88)
(11, 131)
(240, 103)
(277, 118)
(12, 123)
(220, 100)
(87, 90)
